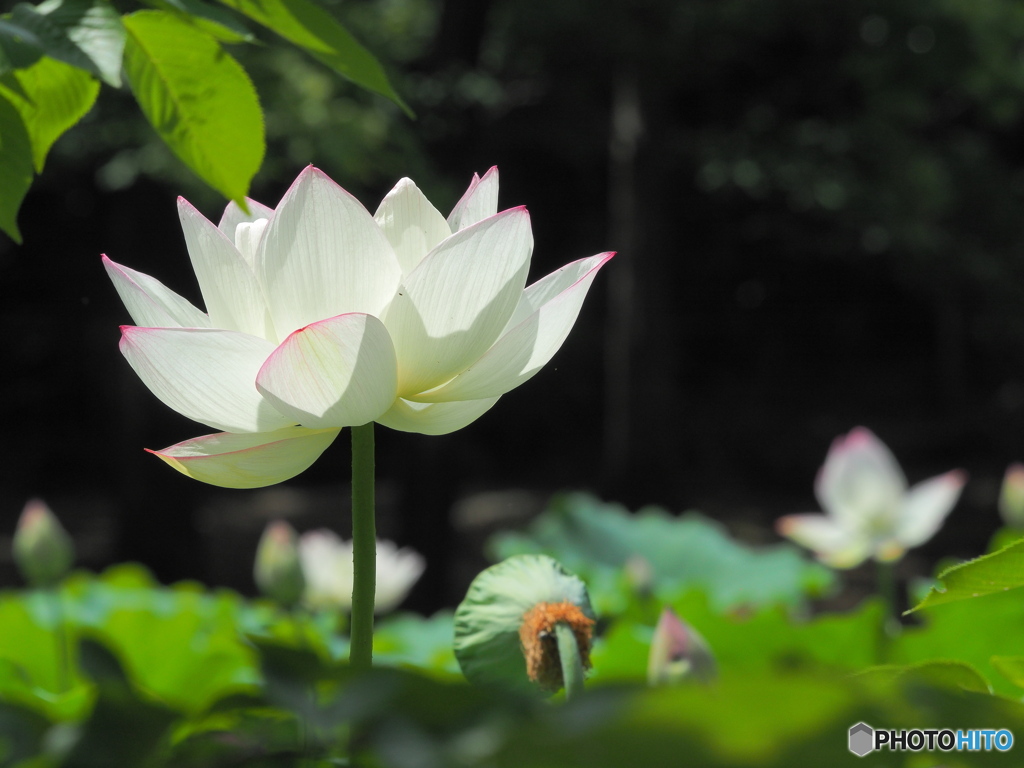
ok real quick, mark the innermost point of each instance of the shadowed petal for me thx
(456, 302)
(411, 224)
(150, 302)
(233, 297)
(434, 418)
(546, 313)
(206, 374)
(336, 373)
(832, 542)
(252, 460)
(926, 506)
(478, 203)
(860, 479)
(234, 215)
(323, 255)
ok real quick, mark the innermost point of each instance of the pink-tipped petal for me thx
(233, 297)
(338, 372)
(860, 479)
(454, 305)
(478, 203)
(150, 303)
(926, 506)
(434, 418)
(411, 224)
(539, 326)
(206, 374)
(830, 541)
(250, 460)
(323, 255)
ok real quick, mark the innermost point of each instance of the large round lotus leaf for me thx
(487, 621)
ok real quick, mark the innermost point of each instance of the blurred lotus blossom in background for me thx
(869, 510)
(278, 571)
(327, 565)
(43, 551)
(678, 653)
(1011, 496)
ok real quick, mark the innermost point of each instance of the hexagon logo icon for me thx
(862, 739)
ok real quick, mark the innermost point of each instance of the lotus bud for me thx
(1011, 496)
(678, 653)
(278, 571)
(43, 550)
(526, 623)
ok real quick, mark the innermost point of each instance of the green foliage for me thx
(197, 97)
(999, 571)
(598, 541)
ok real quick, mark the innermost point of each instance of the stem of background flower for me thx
(63, 647)
(890, 623)
(569, 656)
(364, 548)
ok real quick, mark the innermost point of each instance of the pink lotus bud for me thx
(678, 653)
(278, 571)
(1011, 496)
(43, 550)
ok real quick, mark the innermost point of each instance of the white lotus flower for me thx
(869, 511)
(327, 565)
(321, 316)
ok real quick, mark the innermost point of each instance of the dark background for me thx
(818, 209)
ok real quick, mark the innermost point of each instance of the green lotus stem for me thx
(364, 548)
(569, 656)
(890, 624)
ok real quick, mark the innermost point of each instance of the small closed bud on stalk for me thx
(278, 570)
(43, 550)
(1011, 496)
(678, 653)
(526, 623)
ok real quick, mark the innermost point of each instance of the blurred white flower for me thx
(869, 510)
(327, 565)
(1011, 496)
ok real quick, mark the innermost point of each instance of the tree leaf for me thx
(314, 29)
(212, 19)
(998, 572)
(87, 34)
(51, 97)
(198, 98)
(15, 166)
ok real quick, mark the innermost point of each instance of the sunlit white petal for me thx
(233, 298)
(452, 307)
(150, 303)
(926, 506)
(338, 372)
(479, 202)
(411, 224)
(323, 255)
(206, 374)
(251, 460)
(551, 308)
(434, 418)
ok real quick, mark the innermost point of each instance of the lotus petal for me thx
(251, 460)
(234, 215)
(455, 303)
(832, 542)
(548, 310)
(339, 372)
(926, 506)
(860, 479)
(206, 374)
(478, 203)
(323, 255)
(150, 302)
(411, 224)
(434, 418)
(233, 298)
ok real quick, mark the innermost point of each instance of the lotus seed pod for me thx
(505, 628)
(43, 550)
